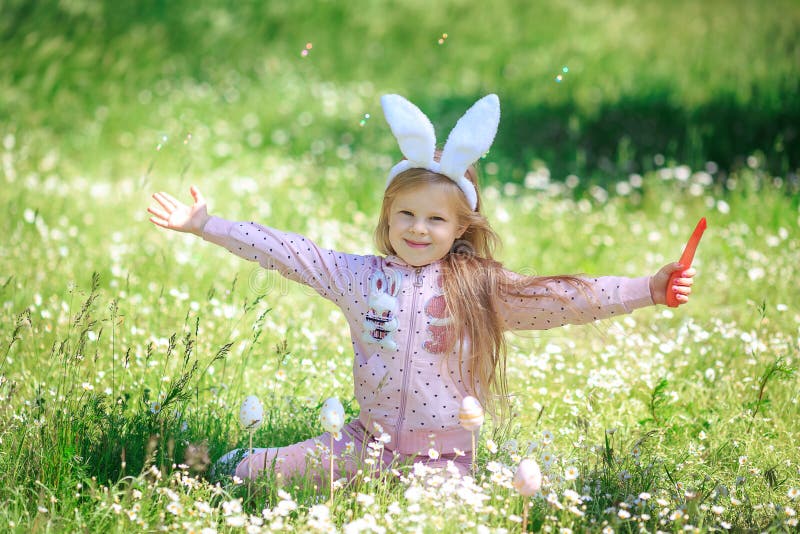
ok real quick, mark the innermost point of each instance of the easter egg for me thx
(471, 414)
(528, 478)
(251, 414)
(332, 415)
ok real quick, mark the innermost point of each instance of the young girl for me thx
(427, 316)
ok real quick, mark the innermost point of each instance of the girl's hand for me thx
(682, 286)
(175, 215)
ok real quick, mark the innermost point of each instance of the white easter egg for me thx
(528, 478)
(470, 415)
(332, 415)
(251, 414)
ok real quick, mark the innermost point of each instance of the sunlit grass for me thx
(663, 418)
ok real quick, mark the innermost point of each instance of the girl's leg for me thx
(310, 457)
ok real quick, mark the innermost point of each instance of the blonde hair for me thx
(472, 282)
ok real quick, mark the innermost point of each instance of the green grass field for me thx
(127, 350)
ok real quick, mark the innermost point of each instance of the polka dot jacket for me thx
(404, 379)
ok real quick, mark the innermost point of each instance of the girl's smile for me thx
(416, 245)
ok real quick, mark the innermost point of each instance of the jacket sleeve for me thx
(334, 275)
(558, 302)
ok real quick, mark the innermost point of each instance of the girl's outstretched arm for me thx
(682, 286)
(173, 214)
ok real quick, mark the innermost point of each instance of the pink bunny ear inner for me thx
(412, 129)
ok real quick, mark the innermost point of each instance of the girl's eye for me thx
(437, 218)
(405, 212)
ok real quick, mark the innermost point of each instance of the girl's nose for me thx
(419, 227)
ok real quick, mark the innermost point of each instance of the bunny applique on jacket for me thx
(397, 316)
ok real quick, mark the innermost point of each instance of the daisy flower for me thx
(571, 473)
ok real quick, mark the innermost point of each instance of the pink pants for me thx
(357, 450)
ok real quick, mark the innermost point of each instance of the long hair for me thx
(472, 283)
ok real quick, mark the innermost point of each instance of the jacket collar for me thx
(398, 262)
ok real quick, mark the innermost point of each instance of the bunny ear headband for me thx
(468, 141)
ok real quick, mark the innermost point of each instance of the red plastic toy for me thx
(686, 260)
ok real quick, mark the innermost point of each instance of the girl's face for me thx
(423, 224)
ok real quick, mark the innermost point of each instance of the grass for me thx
(126, 350)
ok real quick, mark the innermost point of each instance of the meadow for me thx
(127, 350)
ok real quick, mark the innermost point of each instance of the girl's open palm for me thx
(173, 214)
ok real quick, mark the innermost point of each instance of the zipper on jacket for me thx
(407, 361)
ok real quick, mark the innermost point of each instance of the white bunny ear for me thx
(413, 130)
(471, 137)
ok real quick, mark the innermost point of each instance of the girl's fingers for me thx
(197, 195)
(175, 202)
(682, 290)
(159, 222)
(165, 202)
(161, 214)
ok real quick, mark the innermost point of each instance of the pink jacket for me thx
(398, 323)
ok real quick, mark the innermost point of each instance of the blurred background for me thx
(597, 89)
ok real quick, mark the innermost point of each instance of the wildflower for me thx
(547, 436)
(491, 446)
(413, 494)
(552, 499)
(494, 466)
(572, 496)
(319, 512)
(608, 530)
(547, 459)
(677, 515)
(155, 407)
(236, 520)
(232, 507)
(87, 386)
(203, 507)
(571, 473)
(793, 493)
(789, 511)
(576, 511)
(365, 500)
(433, 454)
(175, 508)
(624, 514)
(717, 509)
(725, 525)
(742, 460)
